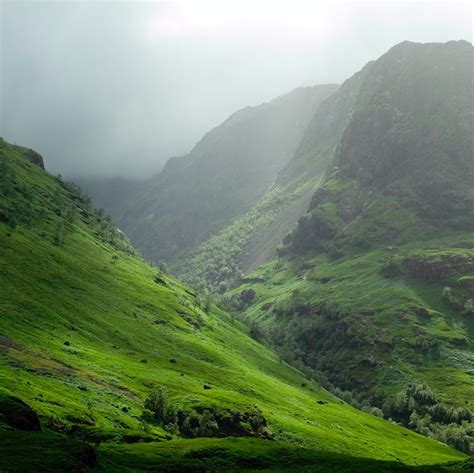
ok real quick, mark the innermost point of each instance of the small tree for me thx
(71, 214)
(157, 402)
(422, 394)
(247, 296)
(207, 424)
(170, 419)
(375, 411)
(256, 331)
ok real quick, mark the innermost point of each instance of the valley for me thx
(295, 294)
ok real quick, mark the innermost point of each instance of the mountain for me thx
(108, 364)
(224, 175)
(253, 237)
(249, 241)
(405, 154)
(393, 111)
(373, 288)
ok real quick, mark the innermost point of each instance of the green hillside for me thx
(89, 335)
(373, 325)
(373, 288)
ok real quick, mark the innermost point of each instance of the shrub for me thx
(417, 408)
(207, 303)
(247, 296)
(422, 394)
(157, 403)
(457, 437)
(59, 234)
(375, 411)
(207, 425)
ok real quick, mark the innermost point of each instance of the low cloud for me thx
(114, 89)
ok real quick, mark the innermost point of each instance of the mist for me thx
(115, 89)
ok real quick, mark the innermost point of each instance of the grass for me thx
(404, 323)
(52, 452)
(223, 455)
(40, 451)
(87, 331)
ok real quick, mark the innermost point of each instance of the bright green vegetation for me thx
(253, 455)
(374, 322)
(413, 312)
(88, 332)
(371, 296)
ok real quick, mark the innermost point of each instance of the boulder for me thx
(18, 414)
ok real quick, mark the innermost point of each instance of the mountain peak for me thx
(404, 138)
(407, 45)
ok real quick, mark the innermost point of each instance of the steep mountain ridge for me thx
(369, 109)
(253, 238)
(405, 153)
(225, 174)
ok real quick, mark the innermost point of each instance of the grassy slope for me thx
(105, 302)
(397, 343)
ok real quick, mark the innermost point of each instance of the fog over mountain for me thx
(115, 89)
(236, 236)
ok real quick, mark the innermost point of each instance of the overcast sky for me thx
(116, 88)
